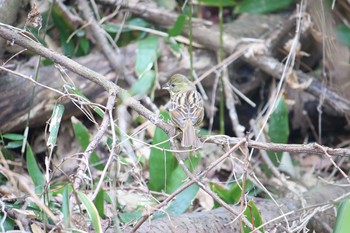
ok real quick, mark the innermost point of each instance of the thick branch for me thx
(16, 36)
(311, 148)
(318, 202)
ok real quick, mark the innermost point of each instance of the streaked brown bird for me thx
(186, 108)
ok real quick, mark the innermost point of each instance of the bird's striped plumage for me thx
(186, 108)
(187, 105)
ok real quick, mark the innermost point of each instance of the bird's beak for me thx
(166, 86)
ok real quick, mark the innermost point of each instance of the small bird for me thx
(186, 108)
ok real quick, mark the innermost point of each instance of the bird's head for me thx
(179, 84)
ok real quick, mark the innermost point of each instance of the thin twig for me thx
(244, 178)
(332, 161)
(80, 174)
(230, 105)
(208, 191)
(311, 148)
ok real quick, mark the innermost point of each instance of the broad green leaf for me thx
(128, 217)
(64, 30)
(178, 27)
(84, 44)
(131, 31)
(178, 175)
(343, 34)
(278, 129)
(56, 118)
(184, 200)
(107, 198)
(219, 2)
(262, 6)
(13, 136)
(65, 206)
(146, 55)
(99, 203)
(181, 203)
(34, 171)
(16, 140)
(342, 223)
(82, 135)
(143, 84)
(253, 215)
(161, 163)
(8, 223)
(14, 144)
(92, 211)
(229, 195)
(113, 28)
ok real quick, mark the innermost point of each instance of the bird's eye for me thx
(172, 85)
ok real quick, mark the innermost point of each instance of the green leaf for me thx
(278, 129)
(65, 30)
(230, 195)
(65, 205)
(84, 44)
(34, 171)
(146, 55)
(56, 118)
(161, 163)
(178, 27)
(82, 135)
(342, 223)
(113, 28)
(131, 31)
(183, 200)
(13, 136)
(181, 203)
(92, 211)
(143, 84)
(128, 217)
(343, 34)
(262, 6)
(253, 216)
(218, 3)
(178, 175)
(99, 203)
(7, 225)
(14, 144)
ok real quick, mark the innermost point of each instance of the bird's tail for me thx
(189, 137)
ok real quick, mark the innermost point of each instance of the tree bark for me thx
(220, 220)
